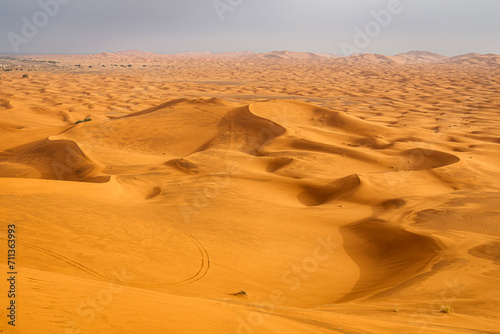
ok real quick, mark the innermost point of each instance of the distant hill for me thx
(408, 58)
(419, 57)
(477, 59)
(368, 58)
(295, 55)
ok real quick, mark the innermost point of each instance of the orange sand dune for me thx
(243, 193)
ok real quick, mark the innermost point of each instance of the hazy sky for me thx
(448, 27)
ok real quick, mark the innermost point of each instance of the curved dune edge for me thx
(254, 132)
(289, 112)
(279, 163)
(336, 190)
(387, 255)
(424, 159)
(61, 160)
(6, 104)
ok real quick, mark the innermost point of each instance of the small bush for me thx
(242, 293)
(446, 309)
(83, 121)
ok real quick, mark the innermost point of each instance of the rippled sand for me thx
(333, 192)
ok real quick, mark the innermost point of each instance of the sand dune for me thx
(342, 195)
(136, 58)
(416, 57)
(54, 160)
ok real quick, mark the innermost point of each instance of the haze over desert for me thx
(246, 192)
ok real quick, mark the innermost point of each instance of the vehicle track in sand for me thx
(200, 274)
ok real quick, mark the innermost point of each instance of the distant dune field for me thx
(252, 193)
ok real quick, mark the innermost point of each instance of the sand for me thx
(252, 193)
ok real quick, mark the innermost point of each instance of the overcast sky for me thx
(448, 27)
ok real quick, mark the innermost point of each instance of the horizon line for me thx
(240, 51)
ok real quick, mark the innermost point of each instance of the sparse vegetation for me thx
(83, 121)
(396, 308)
(242, 293)
(446, 309)
(25, 76)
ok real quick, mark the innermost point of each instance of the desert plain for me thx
(251, 193)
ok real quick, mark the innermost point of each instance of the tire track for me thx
(200, 274)
(205, 257)
(63, 258)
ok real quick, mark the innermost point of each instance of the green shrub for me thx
(83, 121)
